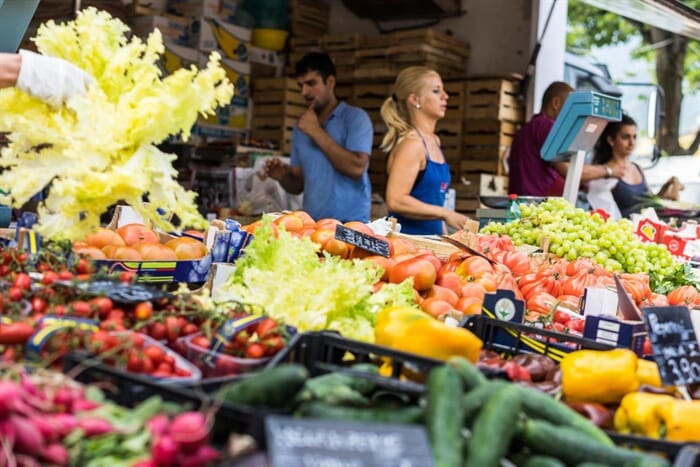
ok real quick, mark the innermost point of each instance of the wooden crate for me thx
(495, 99)
(279, 110)
(485, 152)
(262, 122)
(308, 18)
(473, 185)
(282, 137)
(482, 166)
(433, 38)
(341, 42)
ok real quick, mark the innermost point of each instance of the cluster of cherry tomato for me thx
(262, 339)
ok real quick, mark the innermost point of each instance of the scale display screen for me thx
(606, 107)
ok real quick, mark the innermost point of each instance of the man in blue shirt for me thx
(331, 144)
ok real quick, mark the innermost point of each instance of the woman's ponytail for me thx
(397, 126)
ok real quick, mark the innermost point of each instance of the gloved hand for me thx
(50, 79)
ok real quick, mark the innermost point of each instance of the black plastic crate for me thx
(325, 352)
(681, 454)
(515, 338)
(129, 389)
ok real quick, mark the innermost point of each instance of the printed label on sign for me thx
(674, 344)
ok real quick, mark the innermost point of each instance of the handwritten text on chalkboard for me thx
(362, 240)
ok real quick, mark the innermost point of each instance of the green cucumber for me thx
(537, 460)
(444, 416)
(567, 444)
(339, 388)
(471, 376)
(494, 428)
(404, 415)
(539, 405)
(271, 388)
(474, 400)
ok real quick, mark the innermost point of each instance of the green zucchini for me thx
(539, 405)
(568, 445)
(474, 400)
(271, 388)
(494, 428)
(444, 416)
(404, 415)
(471, 376)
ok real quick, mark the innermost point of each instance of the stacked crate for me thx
(308, 18)
(278, 105)
(370, 97)
(492, 114)
(449, 129)
(382, 57)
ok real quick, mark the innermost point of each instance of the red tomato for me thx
(127, 277)
(15, 294)
(103, 305)
(190, 328)
(201, 341)
(143, 311)
(65, 275)
(157, 331)
(23, 281)
(156, 354)
(49, 277)
(577, 325)
(81, 308)
(164, 368)
(562, 317)
(83, 266)
(255, 351)
(173, 329)
(15, 333)
(273, 345)
(420, 269)
(137, 340)
(647, 350)
(134, 362)
(147, 365)
(39, 305)
(266, 327)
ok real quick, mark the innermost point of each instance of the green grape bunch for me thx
(575, 233)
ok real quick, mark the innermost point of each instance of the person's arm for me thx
(590, 171)
(290, 177)
(351, 163)
(9, 69)
(404, 169)
(50, 79)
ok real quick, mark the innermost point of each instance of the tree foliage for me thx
(590, 27)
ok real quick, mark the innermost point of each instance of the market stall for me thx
(549, 336)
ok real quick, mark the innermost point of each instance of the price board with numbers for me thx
(362, 240)
(674, 344)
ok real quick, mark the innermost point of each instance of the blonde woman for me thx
(418, 174)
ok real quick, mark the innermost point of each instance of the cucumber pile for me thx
(470, 420)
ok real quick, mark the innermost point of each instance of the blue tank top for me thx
(430, 187)
(628, 197)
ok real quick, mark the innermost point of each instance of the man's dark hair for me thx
(556, 89)
(315, 61)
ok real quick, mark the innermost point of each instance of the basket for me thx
(325, 352)
(216, 364)
(129, 389)
(515, 338)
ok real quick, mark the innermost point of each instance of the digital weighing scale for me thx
(580, 122)
(576, 130)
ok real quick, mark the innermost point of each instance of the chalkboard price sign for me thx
(674, 343)
(362, 240)
(296, 442)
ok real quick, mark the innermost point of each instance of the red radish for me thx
(28, 438)
(45, 427)
(189, 429)
(7, 430)
(164, 451)
(84, 405)
(56, 454)
(158, 425)
(62, 423)
(94, 426)
(204, 455)
(26, 461)
(10, 396)
(29, 385)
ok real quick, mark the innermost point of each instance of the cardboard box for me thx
(191, 8)
(172, 28)
(237, 113)
(232, 40)
(178, 56)
(613, 331)
(265, 63)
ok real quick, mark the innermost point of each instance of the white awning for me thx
(669, 15)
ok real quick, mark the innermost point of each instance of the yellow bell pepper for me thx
(637, 414)
(648, 373)
(599, 376)
(681, 419)
(411, 330)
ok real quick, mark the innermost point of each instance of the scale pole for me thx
(573, 176)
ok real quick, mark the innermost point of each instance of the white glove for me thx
(52, 80)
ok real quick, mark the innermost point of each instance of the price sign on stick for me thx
(362, 240)
(674, 343)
